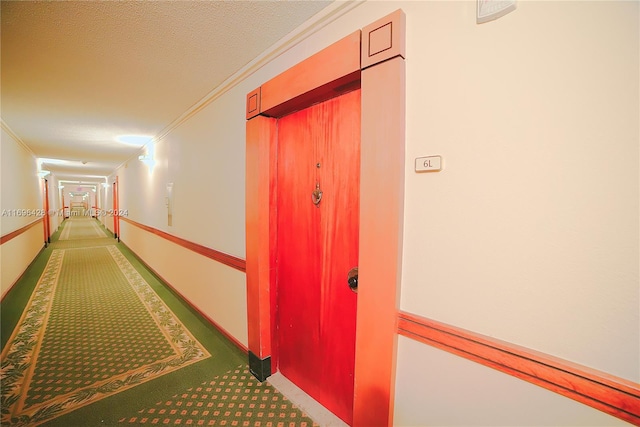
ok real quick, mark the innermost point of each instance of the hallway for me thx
(103, 342)
(497, 210)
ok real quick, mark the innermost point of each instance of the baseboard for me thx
(260, 368)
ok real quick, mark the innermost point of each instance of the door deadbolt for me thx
(352, 279)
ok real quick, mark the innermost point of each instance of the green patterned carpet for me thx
(233, 399)
(102, 342)
(81, 228)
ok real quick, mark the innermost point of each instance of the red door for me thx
(116, 218)
(47, 223)
(319, 148)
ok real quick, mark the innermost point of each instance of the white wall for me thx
(20, 189)
(529, 234)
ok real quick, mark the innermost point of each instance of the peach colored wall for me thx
(529, 234)
(20, 189)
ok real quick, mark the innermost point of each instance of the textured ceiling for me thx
(75, 74)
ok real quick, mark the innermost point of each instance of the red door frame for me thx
(374, 58)
(116, 218)
(45, 204)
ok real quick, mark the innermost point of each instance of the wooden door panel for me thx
(339, 175)
(298, 251)
(317, 246)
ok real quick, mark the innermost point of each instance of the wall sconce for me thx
(148, 158)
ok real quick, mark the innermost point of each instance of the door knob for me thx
(352, 279)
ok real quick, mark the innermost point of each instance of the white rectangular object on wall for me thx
(429, 164)
(488, 10)
(169, 204)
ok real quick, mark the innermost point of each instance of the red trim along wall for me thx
(615, 396)
(4, 239)
(226, 259)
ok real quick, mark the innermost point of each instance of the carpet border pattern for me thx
(19, 356)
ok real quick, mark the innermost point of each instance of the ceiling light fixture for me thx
(134, 139)
(148, 160)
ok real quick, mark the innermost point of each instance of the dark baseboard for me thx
(260, 368)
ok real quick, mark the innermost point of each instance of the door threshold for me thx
(306, 403)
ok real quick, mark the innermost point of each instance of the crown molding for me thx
(16, 138)
(323, 18)
(312, 26)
